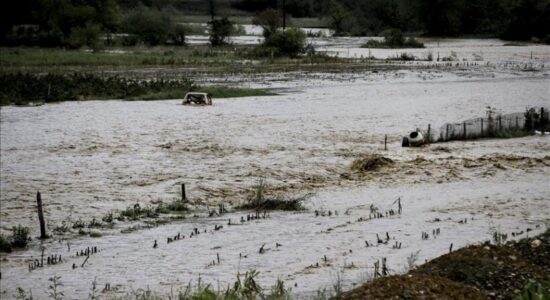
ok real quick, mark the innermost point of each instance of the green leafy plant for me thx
(55, 283)
(535, 291)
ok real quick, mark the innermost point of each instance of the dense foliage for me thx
(69, 23)
(22, 88)
(394, 38)
(91, 23)
(509, 19)
(290, 42)
(219, 31)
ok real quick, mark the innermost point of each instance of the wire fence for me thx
(493, 125)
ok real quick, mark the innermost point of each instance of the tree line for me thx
(76, 23)
(507, 19)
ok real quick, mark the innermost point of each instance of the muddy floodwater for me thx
(95, 157)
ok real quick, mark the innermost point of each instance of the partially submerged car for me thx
(414, 139)
(197, 98)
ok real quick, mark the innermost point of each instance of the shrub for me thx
(85, 36)
(108, 218)
(269, 20)
(130, 40)
(151, 26)
(394, 38)
(5, 245)
(22, 88)
(260, 202)
(535, 291)
(79, 224)
(20, 237)
(177, 35)
(219, 31)
(291, 42)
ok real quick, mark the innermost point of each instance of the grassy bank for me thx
(488, 271)
(25, 88)
(22, 57)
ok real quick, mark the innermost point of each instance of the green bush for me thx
(291, 42)
(5, 245)
(151, 26)
(20, 88)
(269, 20)
(20, 236)
(219, 31)
(177, 35)
(535, 291)
(85, 36)
(394, 38)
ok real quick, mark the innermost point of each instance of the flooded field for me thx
(95, 157)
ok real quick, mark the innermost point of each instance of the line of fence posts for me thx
(480, 127)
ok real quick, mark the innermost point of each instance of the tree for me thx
(219, 31)
(212, 9)
(72, 23)
(290, 42)
(177, 35)
(337, 17)
(85, 36)
(150, 25)
(269, 20)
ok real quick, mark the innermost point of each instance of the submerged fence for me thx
(501, 125)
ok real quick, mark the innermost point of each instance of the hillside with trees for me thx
(73, 24)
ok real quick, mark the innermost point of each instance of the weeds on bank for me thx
(261, 202)
(19, 238)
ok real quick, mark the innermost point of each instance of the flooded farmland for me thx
(91, 158)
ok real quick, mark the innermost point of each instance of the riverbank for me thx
(518, 270)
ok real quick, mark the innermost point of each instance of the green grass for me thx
(124, 56)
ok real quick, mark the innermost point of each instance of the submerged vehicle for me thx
(414, 139)
(197, 98)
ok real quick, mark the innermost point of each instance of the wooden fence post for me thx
(429, 133)
(481, 126)
(183, 195)
(41, 216)
(386, 142)
(499, 122)
(464, 124)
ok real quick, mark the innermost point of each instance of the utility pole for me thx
(212, 9)
(284, 15)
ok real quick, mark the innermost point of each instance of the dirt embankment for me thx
(475, 272)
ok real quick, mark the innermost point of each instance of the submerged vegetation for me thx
(261, 202)
(24, 88)
(19, 238)
(394, 38)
